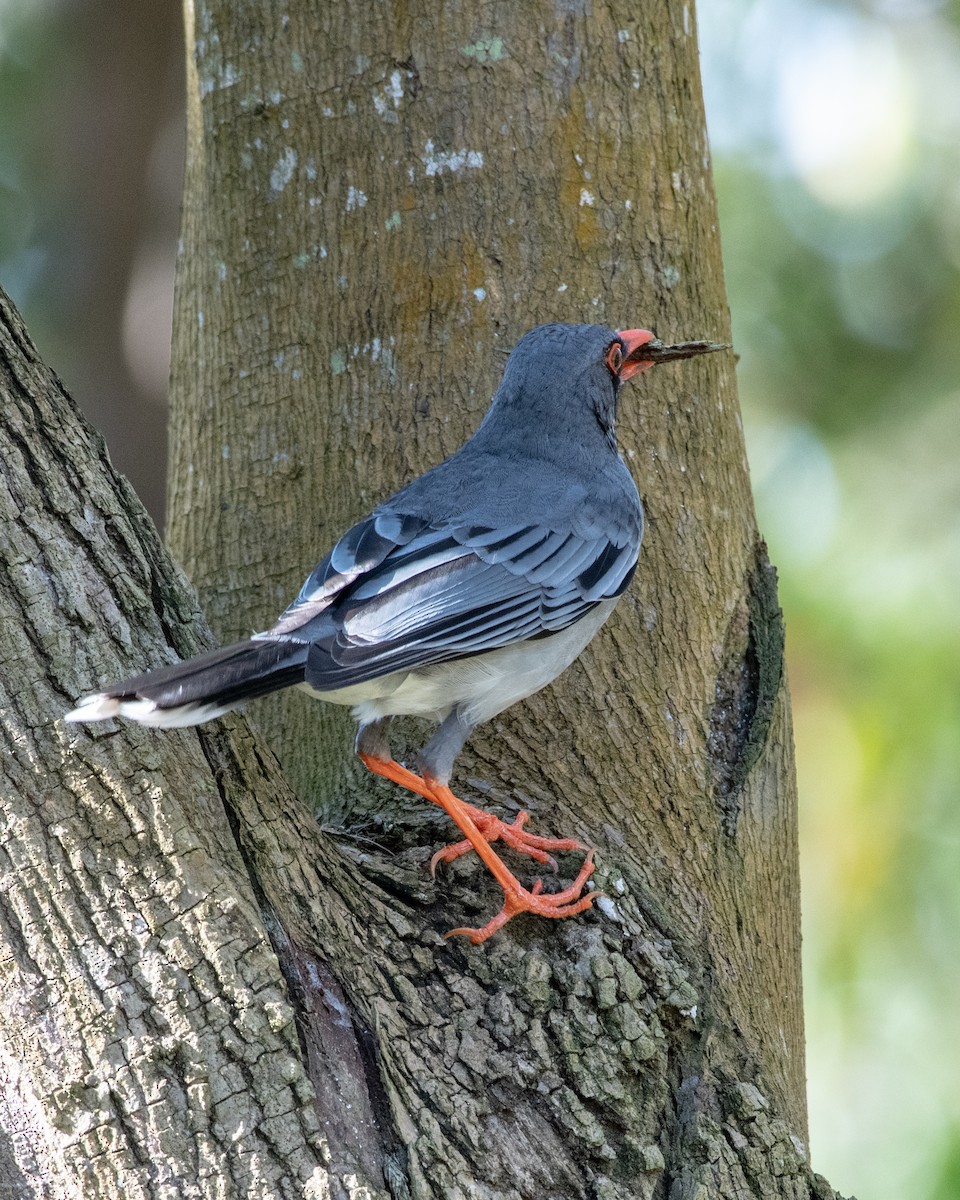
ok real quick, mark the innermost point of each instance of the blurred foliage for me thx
(91, 163)
(25, 53)
(836, 135)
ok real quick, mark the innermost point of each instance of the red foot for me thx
(481, 829)
(512, 835)
(518, 900)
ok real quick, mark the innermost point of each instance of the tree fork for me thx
(141, 874)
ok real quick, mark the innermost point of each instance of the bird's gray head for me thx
(559, 373)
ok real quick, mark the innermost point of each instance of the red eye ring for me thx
(614, 358)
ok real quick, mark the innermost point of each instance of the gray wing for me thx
(398, 593)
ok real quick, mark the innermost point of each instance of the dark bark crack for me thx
(747, 687)
(339, 1050)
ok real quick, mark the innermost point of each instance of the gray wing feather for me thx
(396, 593)
(359, 551)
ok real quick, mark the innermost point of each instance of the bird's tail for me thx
(201, 688)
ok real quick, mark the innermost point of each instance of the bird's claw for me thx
(513, 835)
(566, 903)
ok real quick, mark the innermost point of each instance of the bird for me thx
(471, 588)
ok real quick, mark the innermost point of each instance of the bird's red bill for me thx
(644, 350)
(633, 341)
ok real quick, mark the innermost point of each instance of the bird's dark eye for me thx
(615, 358)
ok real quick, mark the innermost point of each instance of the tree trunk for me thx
(194, 950)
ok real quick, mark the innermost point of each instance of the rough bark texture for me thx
(148, 1046)
(194, 949)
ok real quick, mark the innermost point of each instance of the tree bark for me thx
(148, 1045)
(233, 1002)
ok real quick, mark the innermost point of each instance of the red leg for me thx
(491, 827)
(393, 771)
(512, 835)
(481, 829)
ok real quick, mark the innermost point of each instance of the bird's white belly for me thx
(483, 685)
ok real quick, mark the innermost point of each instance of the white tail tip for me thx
(94, 708)
(100, 707)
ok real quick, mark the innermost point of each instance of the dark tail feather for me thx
(203, 687)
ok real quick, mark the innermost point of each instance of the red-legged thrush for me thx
(471, 588)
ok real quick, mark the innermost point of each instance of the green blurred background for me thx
(836, 138)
